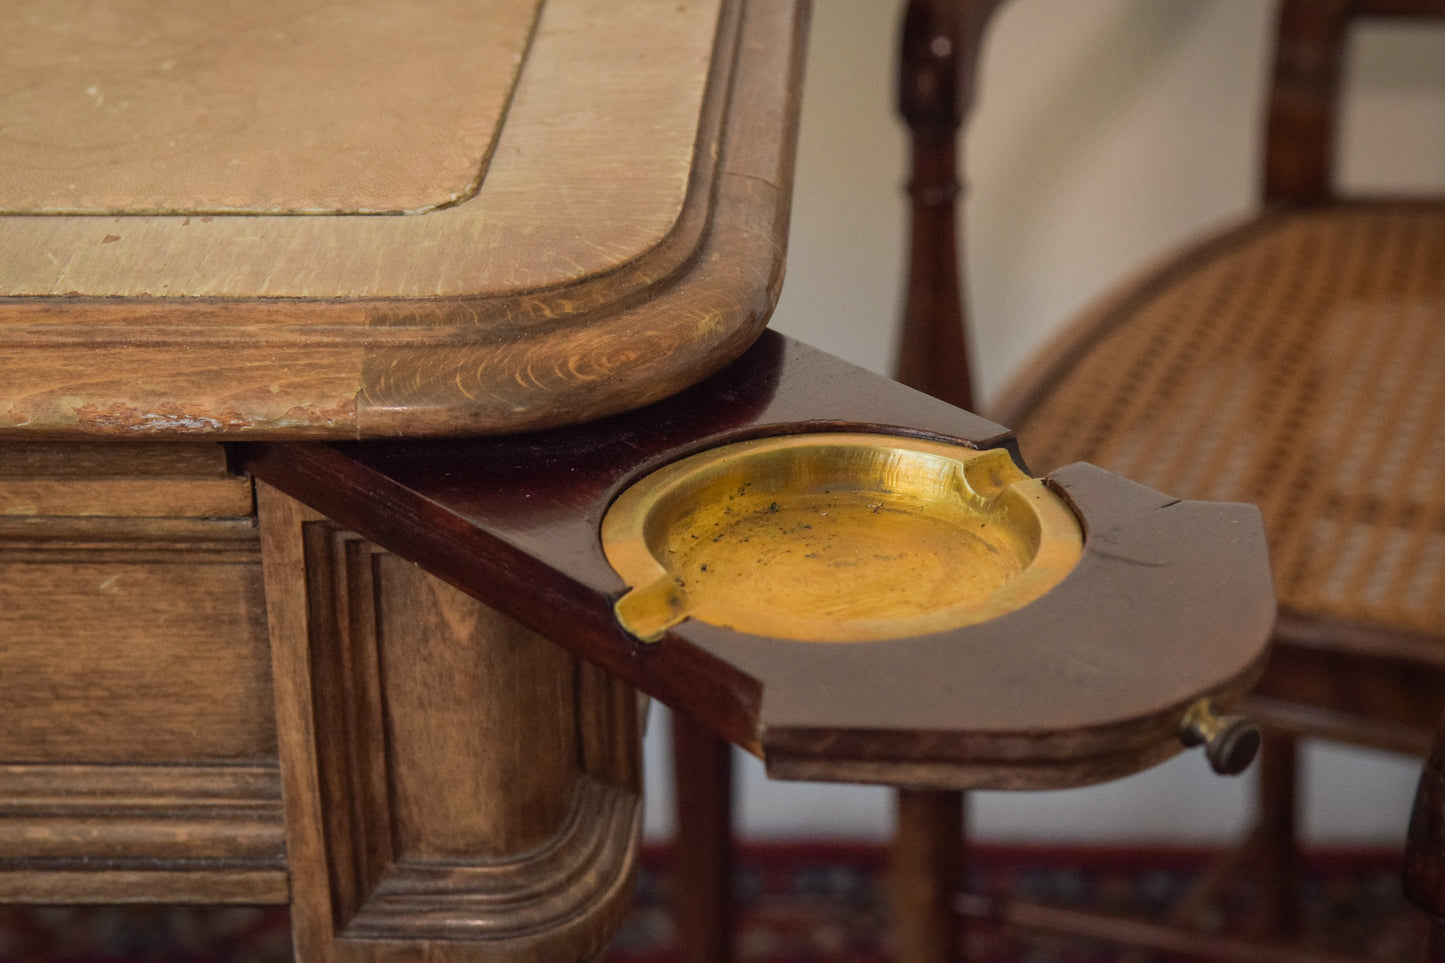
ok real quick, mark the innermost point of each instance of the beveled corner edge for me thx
(293, 369)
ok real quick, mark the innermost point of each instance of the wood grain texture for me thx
(141, 833)
(102, 460)
(125, 497)
(633, 244)
(445, 800)
(572, 189)
(925, 874)
(1170, 603)
(131, 612)
(702, 852)
(139, 745)
(120, 659)
(271, 107)
(443, 711)
(190, 882)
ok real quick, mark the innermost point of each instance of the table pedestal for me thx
(205, 711)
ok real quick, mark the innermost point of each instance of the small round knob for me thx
(1230, 741)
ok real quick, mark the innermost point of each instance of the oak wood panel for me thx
(137, 758)
(617, 328)
(609, 716)
(131, 459)
(174, 497)
(137, 538)
(457, 788)
(164, 808)
(120, 481)
(443, 657)
(141, 833)
(93, 882)
(100, 377)
(124, 646)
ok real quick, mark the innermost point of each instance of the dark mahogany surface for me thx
(1171, 602)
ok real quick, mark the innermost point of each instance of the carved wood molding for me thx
(452, 778)
(178, 541)
(537, 892)
(139, 833)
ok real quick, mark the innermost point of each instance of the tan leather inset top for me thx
(588, 150)
(625, 241)
(264, 106)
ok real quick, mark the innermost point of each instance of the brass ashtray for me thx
(836, 538)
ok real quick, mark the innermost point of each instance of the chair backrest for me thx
(1304, 94)
(937, 68)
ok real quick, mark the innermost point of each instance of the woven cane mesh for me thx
(1302, 368)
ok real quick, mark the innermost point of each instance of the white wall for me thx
(1107, 131)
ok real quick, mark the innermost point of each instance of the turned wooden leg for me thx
(926, 873)
(702, 859)
(456, 788)
(1276, 838)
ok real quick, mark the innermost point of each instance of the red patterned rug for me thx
(804, 903)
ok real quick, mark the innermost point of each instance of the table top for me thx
(282, 220)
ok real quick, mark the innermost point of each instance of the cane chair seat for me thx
(1298, 363)
(1295, 361)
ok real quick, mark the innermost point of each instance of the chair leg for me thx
(1425, 848)
(1276, 839)
(702, 859)
(926, 873)
(1435, 942)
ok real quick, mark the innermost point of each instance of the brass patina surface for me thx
(836, 538)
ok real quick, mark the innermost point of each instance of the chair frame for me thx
(1399, 680)
(1396, 688)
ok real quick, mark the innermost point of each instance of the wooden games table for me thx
(286, 220)
(329, 337)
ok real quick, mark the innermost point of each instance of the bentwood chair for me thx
(1296, 361)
